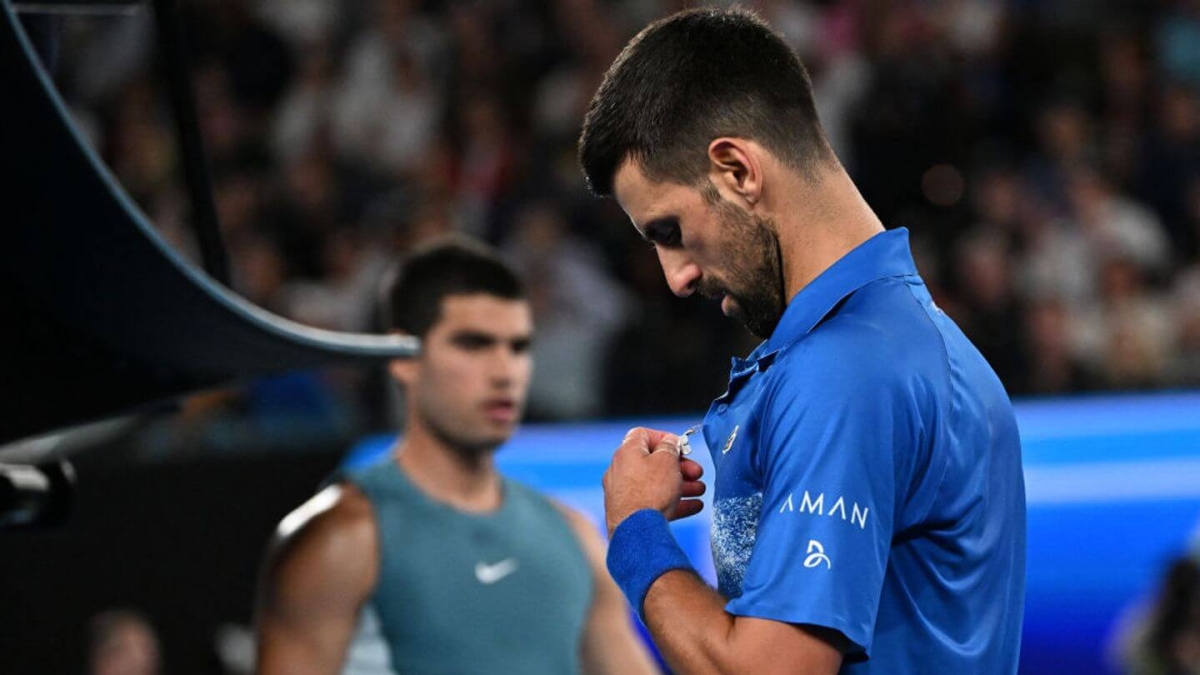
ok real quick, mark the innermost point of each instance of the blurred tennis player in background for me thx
(431, 561)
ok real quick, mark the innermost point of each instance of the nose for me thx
(682, 274)
(505, 367)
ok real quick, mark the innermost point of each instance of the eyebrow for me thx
(656, 230)
(473, 336)
(488, 339)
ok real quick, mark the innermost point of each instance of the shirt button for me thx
(722, 408)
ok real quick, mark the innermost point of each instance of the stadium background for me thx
(1044, 155)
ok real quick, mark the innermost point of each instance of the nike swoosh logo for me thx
(490, 574)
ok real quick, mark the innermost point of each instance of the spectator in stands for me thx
(122, 642)
(1168, 642)
(319, 116)
(578, 308)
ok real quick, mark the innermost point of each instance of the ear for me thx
(403, 371)
(736, 167)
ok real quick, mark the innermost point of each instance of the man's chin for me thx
(732, 309)
(479, 446)
(762, 330)
(759, 326)
(495, 435)
(480, 441)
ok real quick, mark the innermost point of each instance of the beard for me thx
(469, 443)
(755, 278)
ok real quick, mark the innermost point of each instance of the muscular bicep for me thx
(768, 646)
(697, 636)
(318, 573)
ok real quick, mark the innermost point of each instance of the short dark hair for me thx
(454, 265)
(692, 77)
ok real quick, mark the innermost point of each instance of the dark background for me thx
(181, 541)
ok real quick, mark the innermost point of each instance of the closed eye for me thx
(473, 341)
(664, 232)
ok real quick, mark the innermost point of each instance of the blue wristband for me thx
(641, 550)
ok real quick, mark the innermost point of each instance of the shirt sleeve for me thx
(826, 453)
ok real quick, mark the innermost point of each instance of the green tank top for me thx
(465, 594)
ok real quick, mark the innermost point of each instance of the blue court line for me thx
(1077, 450)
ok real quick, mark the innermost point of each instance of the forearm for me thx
(688, 620)
(686, 617)
(690, 626)
(697, 636)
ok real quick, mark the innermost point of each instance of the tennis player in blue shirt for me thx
(869, 501)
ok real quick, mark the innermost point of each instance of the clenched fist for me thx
(647, 472)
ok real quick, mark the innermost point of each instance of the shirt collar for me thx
(884, 255)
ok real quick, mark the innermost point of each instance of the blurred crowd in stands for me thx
(1045, 156)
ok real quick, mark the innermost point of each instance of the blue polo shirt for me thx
(868, 477)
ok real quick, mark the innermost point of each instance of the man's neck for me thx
(819, 223)
(462, 480)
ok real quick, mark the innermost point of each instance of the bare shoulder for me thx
(330, 541)
(585, 531)
(321, 567)
(339, 514)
